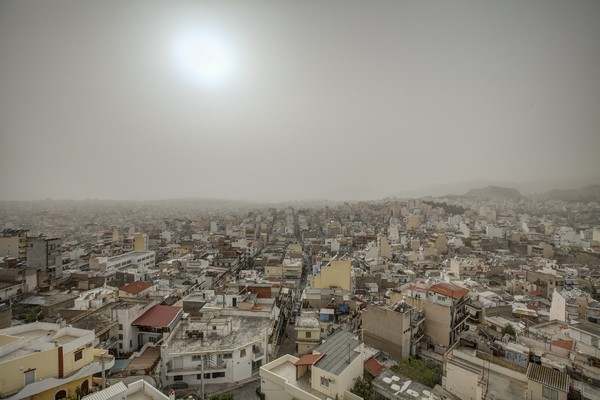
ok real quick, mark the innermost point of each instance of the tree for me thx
(509, 330)
(223, 396)
(363, 388)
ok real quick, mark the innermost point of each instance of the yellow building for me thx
(413, 222)
(308, 334)
(46, 361)
(337, 274)
(140, 242)
(274, 271)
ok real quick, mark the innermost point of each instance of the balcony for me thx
(196, 369)
(418, 319)
(257, 354)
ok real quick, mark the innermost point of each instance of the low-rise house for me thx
(547, 383)
(48, 361)
(308, 335)
(138, 390)
(157, 321)
(328, 373)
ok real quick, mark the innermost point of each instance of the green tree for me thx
(509, 330)
(363, 388)
(223, 396)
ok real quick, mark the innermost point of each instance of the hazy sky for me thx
(287, 100)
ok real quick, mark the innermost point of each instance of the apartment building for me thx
(48, 361)
(396, 329)
(444, 305)
(45, 254)
(141, 260)
(215, 349)
(336, 274)
(14, 243)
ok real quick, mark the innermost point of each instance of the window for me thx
(549, 393)
(198, 376)
(218, 375)
(61, 394)
(324, 382)
(307, 335)
(120, 327)
(227, 356)
(242, 353)
(78, 355)
(197, 358)
(178, 378)
(29, 376)
(120, 336)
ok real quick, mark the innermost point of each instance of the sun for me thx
(204, 57)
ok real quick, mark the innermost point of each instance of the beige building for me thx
(308, 334)
(328, 373)
(470, 374)
(14, 243)
(413, 222)
(337, 274)
(540, 250)
(444, 305)
(140, 242)
(396, 329)
(48, 361)
(547, 383)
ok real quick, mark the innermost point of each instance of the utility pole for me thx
(202, 376)
(103, 370)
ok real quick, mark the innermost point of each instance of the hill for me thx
(583, 194)
(495, 193)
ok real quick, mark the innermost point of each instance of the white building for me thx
(328, 373)
(215, 349)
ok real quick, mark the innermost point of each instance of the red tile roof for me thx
(136, 287)
(449, 289)
(309, 359)
(564, 343)
(158, 316)
(373, 367)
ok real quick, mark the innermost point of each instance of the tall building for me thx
(45, 254)
(140, 242)
(14, 243)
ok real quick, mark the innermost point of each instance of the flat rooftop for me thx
(244, 331)
(21, 340)
(287, 370)
(399, 387)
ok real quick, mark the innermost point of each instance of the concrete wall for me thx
(462, 382)
(386, 330)
(535, 391)
(438, 320)
(338, 274)
(12, 378)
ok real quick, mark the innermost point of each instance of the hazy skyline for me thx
(293, 100)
